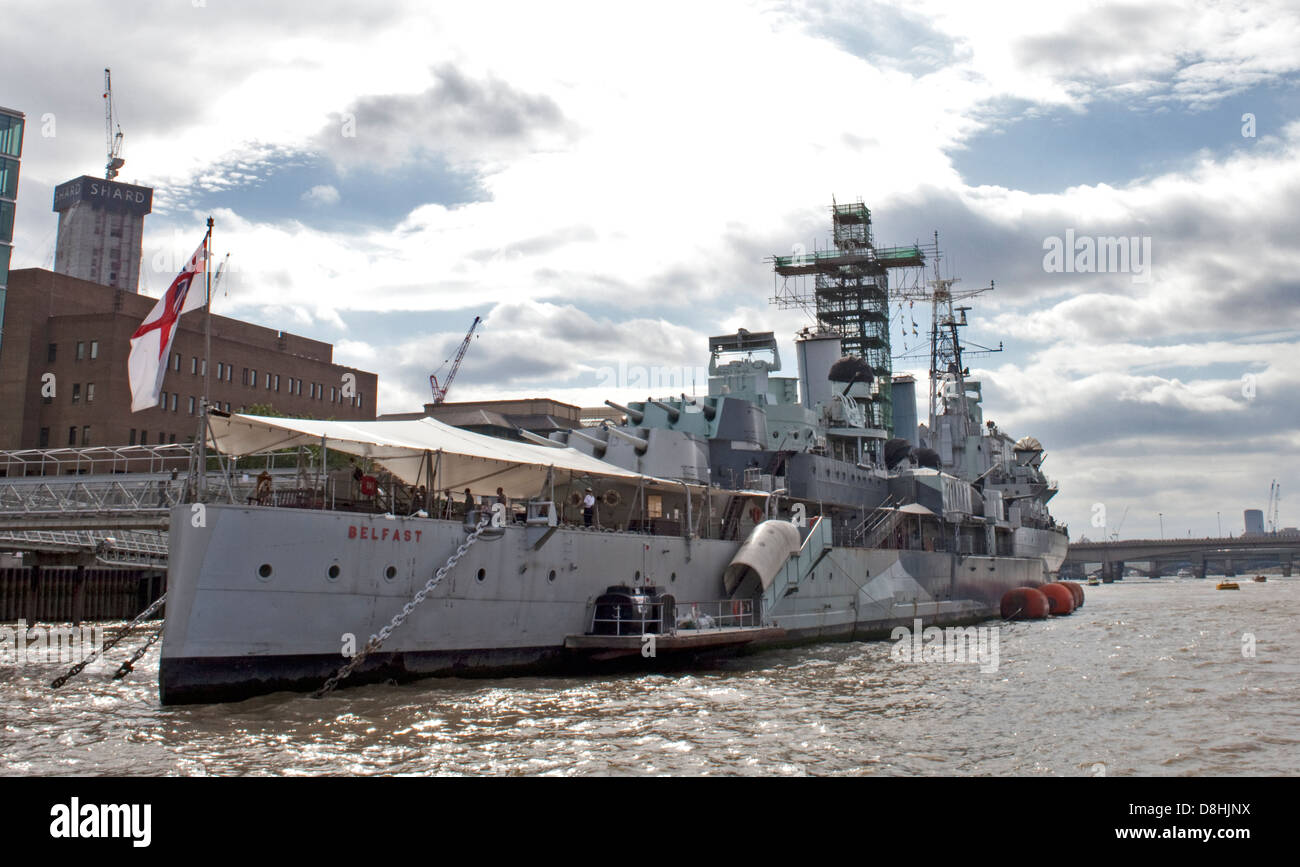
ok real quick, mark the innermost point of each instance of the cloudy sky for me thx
(603, 182)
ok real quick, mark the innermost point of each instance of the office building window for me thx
(175, 401)
(243, 377)
(268, 382)
(132, 441)
(76, 392)
(221, 370)
(144, 437)
(173, 437)
(72, 435)
(194, 364)
(277, 382)
(252, 377)
(90, 392)
(332, 390)
(94, 349)
(162, 401)
(85, 435)
(176, 362)
(45, 438)
(203, 367)
(52, 352)
(81, 350)
(191, 404)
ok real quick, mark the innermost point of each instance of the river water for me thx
(1148, 678)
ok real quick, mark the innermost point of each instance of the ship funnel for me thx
(635, 416)
(817, 354)
(637, 442)
(673, 412)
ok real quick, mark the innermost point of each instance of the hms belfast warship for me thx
(772, 511)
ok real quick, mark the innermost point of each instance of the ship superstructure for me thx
(772, 509)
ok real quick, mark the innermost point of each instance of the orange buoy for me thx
(1060, 600)
(1075, 590)
(1024, 603)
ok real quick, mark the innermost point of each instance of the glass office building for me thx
(11, 151)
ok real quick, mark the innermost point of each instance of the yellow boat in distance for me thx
(1226, 585)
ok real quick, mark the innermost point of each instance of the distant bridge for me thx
(1230, 552)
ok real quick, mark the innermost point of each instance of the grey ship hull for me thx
(236, 628)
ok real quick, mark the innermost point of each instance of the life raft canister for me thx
(369, 485)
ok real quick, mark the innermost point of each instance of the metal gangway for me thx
(114, 503)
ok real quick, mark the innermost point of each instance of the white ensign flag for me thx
(152, 342)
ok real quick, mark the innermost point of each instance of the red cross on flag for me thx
(152, 342)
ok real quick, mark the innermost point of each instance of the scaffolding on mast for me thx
(847, 289)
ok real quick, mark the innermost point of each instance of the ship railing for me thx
(666, 616)
(718, 614)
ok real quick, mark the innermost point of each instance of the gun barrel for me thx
(633, 415)
(673, 412)
(640, 444)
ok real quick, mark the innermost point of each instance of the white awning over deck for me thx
(462, 459)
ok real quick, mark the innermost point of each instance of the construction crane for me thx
(440, 391)
(1115, 535)
(112, 140)
(1270, 516)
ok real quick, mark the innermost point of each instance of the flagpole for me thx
(207, 362)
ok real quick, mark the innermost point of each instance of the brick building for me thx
(63, 372)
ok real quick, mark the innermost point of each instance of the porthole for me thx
(333, 572)
(390, 573)
(264, 571)
(482, 575)
(551, 576)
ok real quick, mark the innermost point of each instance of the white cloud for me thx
(321, 194)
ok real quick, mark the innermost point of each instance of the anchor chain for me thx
(140, 618)
(377, 640)
(127, 667)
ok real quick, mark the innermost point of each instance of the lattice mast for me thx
(947, 352)
(849, 294)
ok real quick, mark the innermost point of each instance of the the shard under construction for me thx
(849, 294)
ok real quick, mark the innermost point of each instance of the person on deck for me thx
(588, 507)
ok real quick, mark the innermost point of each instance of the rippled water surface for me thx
(1149, 677)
